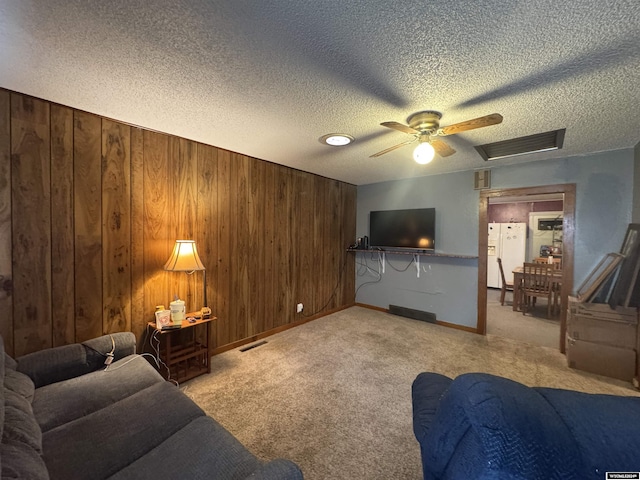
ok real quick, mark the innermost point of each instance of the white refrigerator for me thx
(507, 241)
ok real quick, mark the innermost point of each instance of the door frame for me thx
(568, 232)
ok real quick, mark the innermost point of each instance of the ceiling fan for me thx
(424, 126)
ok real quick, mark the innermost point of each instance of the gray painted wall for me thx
(448, 286)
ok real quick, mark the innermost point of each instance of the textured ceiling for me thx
(267, 79)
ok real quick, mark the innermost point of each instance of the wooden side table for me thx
(181, 351)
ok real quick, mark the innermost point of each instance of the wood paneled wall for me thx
(90, 209)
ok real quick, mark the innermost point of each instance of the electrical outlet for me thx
(299, 308)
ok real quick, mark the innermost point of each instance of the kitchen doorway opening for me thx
(525, 195)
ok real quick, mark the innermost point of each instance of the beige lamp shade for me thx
(184, 257)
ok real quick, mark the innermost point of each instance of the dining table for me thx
(518, 274)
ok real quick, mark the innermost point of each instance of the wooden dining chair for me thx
(537, 282)
(557, 261)
(557, 286)
(505, 286)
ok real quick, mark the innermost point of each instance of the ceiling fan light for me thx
(423, 153)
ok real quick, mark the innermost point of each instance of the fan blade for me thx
(400, 126)
(387, 150)
(479, 122)
(442, 148)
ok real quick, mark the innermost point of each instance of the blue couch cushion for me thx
(426, 392)
(606, 429)
(502, 429)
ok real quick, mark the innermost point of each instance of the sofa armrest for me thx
(426, 392)
(68, 361)
(278, 469)
(488, 426)
(123, 344)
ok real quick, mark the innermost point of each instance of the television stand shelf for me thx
(422, 253)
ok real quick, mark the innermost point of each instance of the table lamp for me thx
(185, 258)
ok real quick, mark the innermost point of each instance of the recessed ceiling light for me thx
(336, 139)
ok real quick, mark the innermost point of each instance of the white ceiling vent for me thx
(540, 142)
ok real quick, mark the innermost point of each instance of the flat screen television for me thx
(412, 228)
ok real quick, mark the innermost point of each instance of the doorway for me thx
(568, 193)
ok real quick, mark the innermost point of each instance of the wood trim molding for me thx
(273, 331)
(442, 323)
(568, 230)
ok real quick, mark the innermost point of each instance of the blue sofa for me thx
(482, 426)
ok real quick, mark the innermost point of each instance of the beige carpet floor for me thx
(334, 395)
(534, 327)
